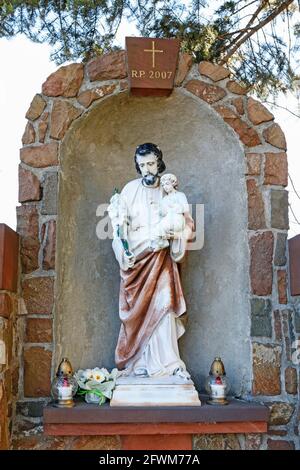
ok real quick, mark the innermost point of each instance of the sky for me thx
(25, 66)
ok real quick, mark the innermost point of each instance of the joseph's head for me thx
(149, 162)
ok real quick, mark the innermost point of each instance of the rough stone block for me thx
(279, 209)
(277, 326)
(297, 318)
(280, 445)
(254, 164)
(261, 322)
(29, 186)
(40, 156)
(213, 71)
(6, 305)
(28, 221)
(49, 231)
(2, 352)
(49, 201)
(205, 91)
(36, 107)
(257, 112)
(38, 330)
(38, 295)
(280, 413)
(274, 136)
(37, 372)
(86, 98)
(238, 103)
(4, 432)
(280, 249)
(33, 409)
(108, 66)
(15, 379)
(236, 88)
(43, 126)
(256, 208)
(216, 442)
(261, 268)
(276, 169)
(29, 251)
(253, 441)
(247, 134)
(62, 116)
(276, 432)
(184, 65)
(288, 332)
(294, 265)
(266, 369)
(282, 286)
(66, 81)
(29, 134)
(96, 443)
(291, 380)
(124, 85)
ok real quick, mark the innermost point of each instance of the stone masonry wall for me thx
(9, 341)
(8, 365)
(66, 95)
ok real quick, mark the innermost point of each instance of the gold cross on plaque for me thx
(153, 53)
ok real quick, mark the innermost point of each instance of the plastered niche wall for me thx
(96, 156)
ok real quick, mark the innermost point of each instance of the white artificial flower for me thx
(80, 378)
(97, 379)
(98, 375)
(88, 374)
(114, 374)
(105, 373)
(79, 374)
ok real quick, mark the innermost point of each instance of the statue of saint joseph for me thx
(151, 298)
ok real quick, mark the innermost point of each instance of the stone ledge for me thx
(86, 419)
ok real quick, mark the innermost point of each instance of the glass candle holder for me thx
(217, 384)
(64, 386)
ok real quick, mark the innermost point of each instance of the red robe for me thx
(148, 291)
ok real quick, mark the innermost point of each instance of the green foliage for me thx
(257, 39)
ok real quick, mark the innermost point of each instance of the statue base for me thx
(154, 391)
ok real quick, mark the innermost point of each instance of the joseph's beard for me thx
(150, 179)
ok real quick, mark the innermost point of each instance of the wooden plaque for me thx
(151, 65)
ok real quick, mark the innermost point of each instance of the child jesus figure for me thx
(173, 207)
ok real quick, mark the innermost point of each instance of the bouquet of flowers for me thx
(96, 384)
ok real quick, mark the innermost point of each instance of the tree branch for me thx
(295, 190)
(294, 214)
(245, 6)
(251, 21)
(260, 25)
(282, 107)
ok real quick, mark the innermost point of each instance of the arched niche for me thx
(96, 155)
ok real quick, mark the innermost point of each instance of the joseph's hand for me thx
(129, 260)
(171, 235)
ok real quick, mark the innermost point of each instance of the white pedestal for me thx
(160, 391)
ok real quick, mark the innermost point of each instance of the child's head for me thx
(169, 182)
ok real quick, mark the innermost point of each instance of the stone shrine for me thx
(230, 155)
